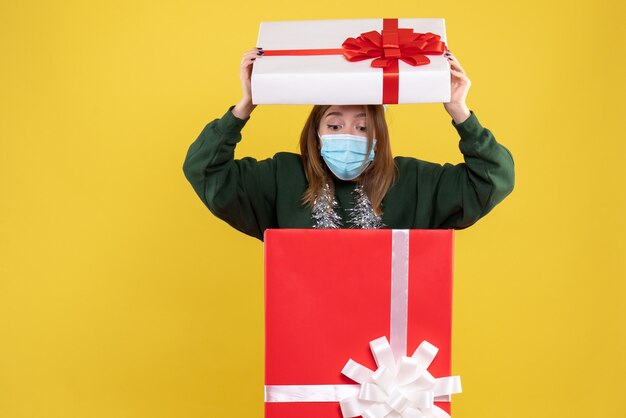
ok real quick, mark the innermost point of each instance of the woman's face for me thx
(347, 119)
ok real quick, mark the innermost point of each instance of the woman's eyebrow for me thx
(358, 115)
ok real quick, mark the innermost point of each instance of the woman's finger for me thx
(456, 65)
(253, 53)
(457, 72)
(459, 76)
(452, 60)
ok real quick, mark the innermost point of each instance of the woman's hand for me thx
(243, 109)
(459, 86)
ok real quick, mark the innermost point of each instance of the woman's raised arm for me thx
(241, 192)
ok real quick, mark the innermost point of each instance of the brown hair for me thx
(377, 178)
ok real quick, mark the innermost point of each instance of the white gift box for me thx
(330, 78)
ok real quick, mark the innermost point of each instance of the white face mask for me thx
(346, 155)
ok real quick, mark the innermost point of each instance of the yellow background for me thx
(121, 295)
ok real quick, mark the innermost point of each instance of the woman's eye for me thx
(333, 127)
(362, 128)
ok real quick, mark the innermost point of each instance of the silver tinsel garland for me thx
(324, 215)
(361, 216)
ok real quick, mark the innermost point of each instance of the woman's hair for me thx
(377, 178)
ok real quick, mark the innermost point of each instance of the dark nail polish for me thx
(260, 53)
(252, 59)
(258, 47)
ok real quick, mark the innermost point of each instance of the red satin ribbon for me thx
(386, 48)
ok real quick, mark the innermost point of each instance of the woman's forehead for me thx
(353, 111)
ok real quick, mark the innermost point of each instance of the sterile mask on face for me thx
(344, 154)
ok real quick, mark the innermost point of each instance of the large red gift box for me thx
(329, 293)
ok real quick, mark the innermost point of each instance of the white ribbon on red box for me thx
(401, 386)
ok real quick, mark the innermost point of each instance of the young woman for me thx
(345, 175)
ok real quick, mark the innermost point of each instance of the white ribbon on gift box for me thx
(401, 388)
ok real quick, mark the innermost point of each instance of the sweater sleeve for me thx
(240, 192)
(465, 192)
